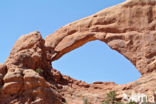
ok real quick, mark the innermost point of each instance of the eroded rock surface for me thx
(129, 28)
(27, 76)
(19, 81)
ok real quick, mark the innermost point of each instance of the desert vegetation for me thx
(39, 70)
(111, 98)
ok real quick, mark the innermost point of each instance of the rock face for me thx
(27, 76)
(29, 52)
(128, 28)
(19, 81)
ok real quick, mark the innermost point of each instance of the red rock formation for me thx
(129, 28)
(19, 81)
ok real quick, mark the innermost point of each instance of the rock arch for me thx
(128, 28)
(96, 58)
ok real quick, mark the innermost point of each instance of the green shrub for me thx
(111, 97)
(132, 102)
(85, 101)
(39, 70)
(144, 100)
(106, 102)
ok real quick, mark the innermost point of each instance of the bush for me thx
(39, 70)
(85, 101)
(132, 102)
(111, 97)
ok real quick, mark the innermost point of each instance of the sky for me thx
(94, 61)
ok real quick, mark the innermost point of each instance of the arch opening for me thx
(96, 61)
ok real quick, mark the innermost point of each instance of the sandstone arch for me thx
(128, 28)
(99, 62)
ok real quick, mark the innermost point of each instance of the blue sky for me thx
(94, 61)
